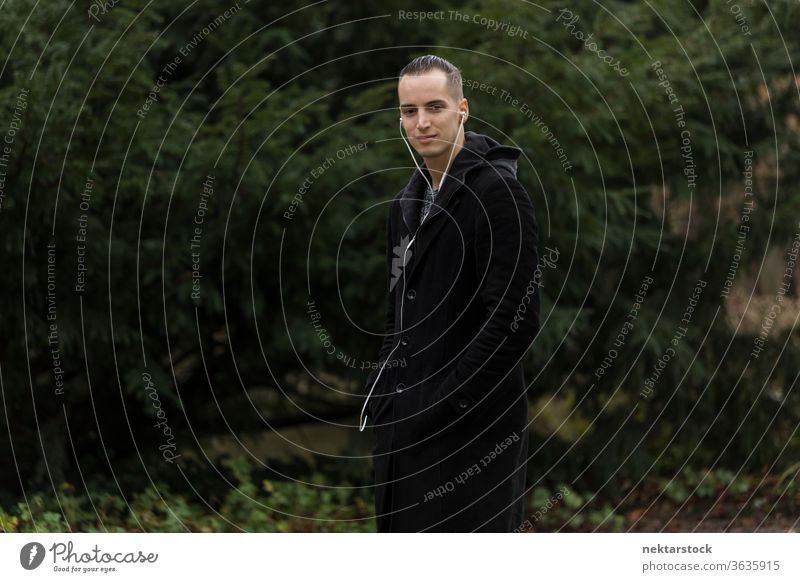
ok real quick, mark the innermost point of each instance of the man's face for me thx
(428, 110)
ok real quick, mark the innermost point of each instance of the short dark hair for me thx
(427, 63)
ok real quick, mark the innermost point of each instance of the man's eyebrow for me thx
(434, 102)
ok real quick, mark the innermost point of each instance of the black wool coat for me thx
(449, 409)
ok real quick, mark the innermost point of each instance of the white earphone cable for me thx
(408, 246)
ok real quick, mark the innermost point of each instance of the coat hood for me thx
(479, 150)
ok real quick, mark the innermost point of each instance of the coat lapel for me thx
(410, 202)
(443, 206)
(445, 202)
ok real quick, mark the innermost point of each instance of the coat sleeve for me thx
(506, 261)
(388, 338)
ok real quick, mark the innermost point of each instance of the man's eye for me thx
(435, 108)
(409, 111)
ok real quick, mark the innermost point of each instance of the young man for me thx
(450, 425)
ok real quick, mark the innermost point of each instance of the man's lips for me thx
(425, 138)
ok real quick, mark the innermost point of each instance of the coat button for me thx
(463, 404)
(411, 294)
(404, 340)
(400, 387)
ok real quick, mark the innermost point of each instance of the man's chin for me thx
(430, 152)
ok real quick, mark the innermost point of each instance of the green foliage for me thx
(268, 506)
(261, 109)
(704, 484)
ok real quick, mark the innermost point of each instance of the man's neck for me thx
(436, 166)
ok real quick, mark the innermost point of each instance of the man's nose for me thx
(422, 121)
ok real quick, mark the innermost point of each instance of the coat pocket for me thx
(437, 414)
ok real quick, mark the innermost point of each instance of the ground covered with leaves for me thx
(699, 501)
